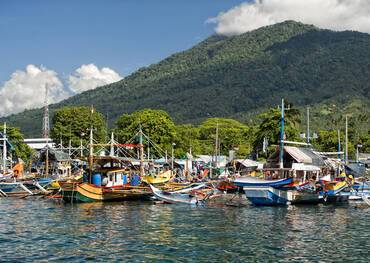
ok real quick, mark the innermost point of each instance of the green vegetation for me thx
(156, 124)
(74, 123)
(240, 77)
(20, 149)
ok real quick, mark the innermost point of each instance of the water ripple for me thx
(43, 231)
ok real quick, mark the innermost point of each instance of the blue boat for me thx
(253, 181)
(8, 187)
(266, 195)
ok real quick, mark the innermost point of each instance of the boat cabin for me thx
(59, 163)
(300, 163)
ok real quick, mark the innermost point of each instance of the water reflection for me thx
(45, 231)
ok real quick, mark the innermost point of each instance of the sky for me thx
(72, 46)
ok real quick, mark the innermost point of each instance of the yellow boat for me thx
(158, 178)
(335, 187)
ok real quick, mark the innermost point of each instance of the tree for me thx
(231, 135)
(19, 148)
(156, 124)
(187, 137)
(74, 123)
(270, 127)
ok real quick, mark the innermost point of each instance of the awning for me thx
(297, 154)
(305, 167)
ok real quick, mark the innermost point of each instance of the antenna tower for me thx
(45, 120)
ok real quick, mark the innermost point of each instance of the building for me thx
(39, 143)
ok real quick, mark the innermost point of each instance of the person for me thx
(275, 175)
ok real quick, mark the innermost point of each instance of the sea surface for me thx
(40, 230)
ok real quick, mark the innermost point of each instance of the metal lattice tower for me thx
(45, 120)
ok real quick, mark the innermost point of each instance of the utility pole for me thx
(308, 125)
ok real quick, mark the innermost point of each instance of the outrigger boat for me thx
(112, 183)
(158, 178)
(109, 178)
(180, 197)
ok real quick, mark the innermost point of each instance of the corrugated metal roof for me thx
(304, 155)
(299, 155)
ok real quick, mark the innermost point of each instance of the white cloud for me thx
(331, 14)
(26, 89)
(90, 76)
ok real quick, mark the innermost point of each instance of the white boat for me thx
(173, 198)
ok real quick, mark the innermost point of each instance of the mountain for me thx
(237, 77)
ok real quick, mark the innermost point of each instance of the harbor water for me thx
(40, 230)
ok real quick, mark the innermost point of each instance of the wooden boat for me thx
(266, 195)
(86, 192)
(8, 187)
(107, 185)
(157, 178)
(335, 192)
(178, 198)
(270, 196)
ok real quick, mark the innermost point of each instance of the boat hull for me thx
(266, 196)
(269, 196)
(255, 182)
(158, 178)
(175, 198)
(84, 193)
(8, 187)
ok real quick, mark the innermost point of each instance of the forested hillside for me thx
(240, 76)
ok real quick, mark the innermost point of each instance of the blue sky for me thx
(121, 34)
(72, 46)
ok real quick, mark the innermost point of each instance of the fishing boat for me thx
(266, 195)
(108, 178)
(337, 191)
(108, 184)
(257, 182)
(160, 178)
(195, 198)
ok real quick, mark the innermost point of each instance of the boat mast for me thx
(4, 150)
(46, 129)
(346, 158)
(91, 149)
(216, 145)
(46, 174)
(111, 144)
(339, 146)
(282, 135)
(141, 147)
(148, 150)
